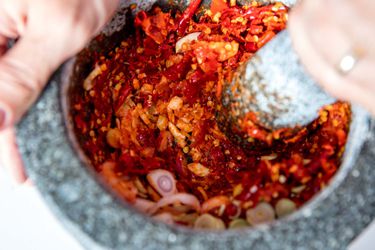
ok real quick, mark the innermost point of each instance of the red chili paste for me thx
(147, 122)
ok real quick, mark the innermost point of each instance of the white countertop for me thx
(26, 222)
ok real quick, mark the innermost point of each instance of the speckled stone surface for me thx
(99, 221)
(270, 84)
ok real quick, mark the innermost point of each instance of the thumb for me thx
(24, 70)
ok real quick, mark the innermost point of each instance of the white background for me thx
(26, 222)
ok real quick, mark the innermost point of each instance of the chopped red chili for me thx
(147, 122)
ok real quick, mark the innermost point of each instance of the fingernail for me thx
(2, 118)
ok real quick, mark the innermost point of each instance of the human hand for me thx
(324, 32)
(48, 33)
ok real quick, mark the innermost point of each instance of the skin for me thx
(323, 31)
(48, 33)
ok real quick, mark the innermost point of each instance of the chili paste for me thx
(146, 120)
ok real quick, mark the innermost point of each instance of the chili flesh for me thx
(146, 120)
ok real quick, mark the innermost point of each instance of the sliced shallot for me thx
(166, 218)
(184, 198)
(214, 202)
(163, 182)
(143, 205)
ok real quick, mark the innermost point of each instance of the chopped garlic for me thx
(175, 103)
(185, 40)
(198, 169)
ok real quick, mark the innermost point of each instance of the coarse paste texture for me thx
(146, 115)
(333, 219)
(330, 221)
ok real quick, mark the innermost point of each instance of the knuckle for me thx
(18, 76)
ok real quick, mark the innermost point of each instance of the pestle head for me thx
(275, 86)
